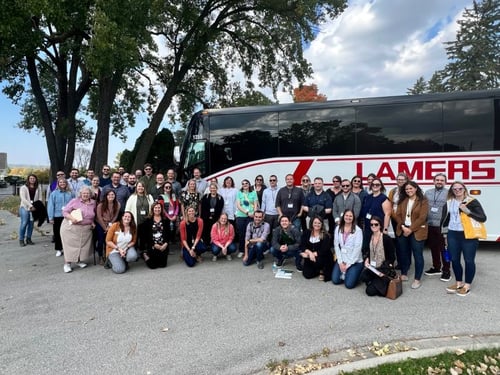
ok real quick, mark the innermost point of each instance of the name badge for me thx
(212, 210)
(434, 209)
(344, 251)
(290, 205)
(373, 263)
(368, 216)
(143, 212)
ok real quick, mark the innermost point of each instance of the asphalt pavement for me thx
(218, 317)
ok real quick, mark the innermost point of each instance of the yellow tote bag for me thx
(473, 229)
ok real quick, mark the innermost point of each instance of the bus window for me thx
(317, 132)
(459, 134)
(399, 128)
(239, 138)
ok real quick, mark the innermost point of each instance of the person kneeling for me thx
(120, 242)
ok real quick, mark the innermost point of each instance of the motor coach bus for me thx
(457, 134)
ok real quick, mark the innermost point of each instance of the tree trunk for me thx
(108, 87)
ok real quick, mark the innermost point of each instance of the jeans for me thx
(279, 255)
(435, 241)
(351, 277)
(26, 227)
(119, 264)
(458, 244)
(216, 250)
(191, 261)
(241, 227)
(409, 245)
(256, 252)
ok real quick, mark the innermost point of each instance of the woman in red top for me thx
(222, 237)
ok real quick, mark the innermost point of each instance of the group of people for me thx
(338, 234)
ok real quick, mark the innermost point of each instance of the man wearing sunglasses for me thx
(289, 201)
(318, 202)
(346, 200)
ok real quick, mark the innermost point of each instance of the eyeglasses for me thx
(305, 180)
(259, 179)
(376, 185)
(59, 175)
(346, 186)
(148, 169)
(244, 183)
(458, 189)
(374, 224)
(272, 180)
(168, 187)
(335, 180)
(105, 169)
(357, 181)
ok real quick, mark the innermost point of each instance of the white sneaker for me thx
(67, 267)
(214, 258)
(81, 264)
(58, 253)
(229, 257)
(240, 255)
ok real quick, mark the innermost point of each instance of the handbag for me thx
(473, 229)
(394, 288)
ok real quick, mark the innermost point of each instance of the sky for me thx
(375, 48)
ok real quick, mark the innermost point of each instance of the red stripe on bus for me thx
(302, 169)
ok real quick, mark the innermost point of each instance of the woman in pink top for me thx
(222, 237)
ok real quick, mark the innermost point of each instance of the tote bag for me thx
(473, 229)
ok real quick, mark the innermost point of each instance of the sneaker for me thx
(266, 252)
(58, 253)
(432, 272)
(445, 276)
(81, 264)
(229, 257)
(462, 292)
(453, 288)
(416, 284)
(299, 268)
(260, 264)
(280, 262)
(404, 278)
(240, 255)
(67, 267)
(214, 258)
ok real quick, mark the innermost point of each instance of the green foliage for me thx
(160, 155)
(420, 87)
(474, 57)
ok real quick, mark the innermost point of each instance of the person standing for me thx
(318, 202)
(121, 191)
(105, 178)
(246, 205)
(290, 200)
(76, 230)
(411, 230)
(58, 199)
(106, 214)
(269, 203)
(212, 205)
(29, 194)
(375, 204)
(148, 179)
(259, 188)
(158, 189)
(176, 186)
(346, 200)
(459, 201)
(437, 197)
(229, 193)
(74, 183)
(171, 208)
(139, 204)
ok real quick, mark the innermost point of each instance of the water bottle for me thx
(446, 255)
(275, 267)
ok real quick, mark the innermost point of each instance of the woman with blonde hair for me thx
(222, 237)
(459, 201)
(58, 199)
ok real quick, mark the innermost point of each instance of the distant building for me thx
(3, 163)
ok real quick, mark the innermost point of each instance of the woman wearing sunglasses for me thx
(380, 258)
(459, 201)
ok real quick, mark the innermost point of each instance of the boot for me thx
(21, 243)
(29, 242)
